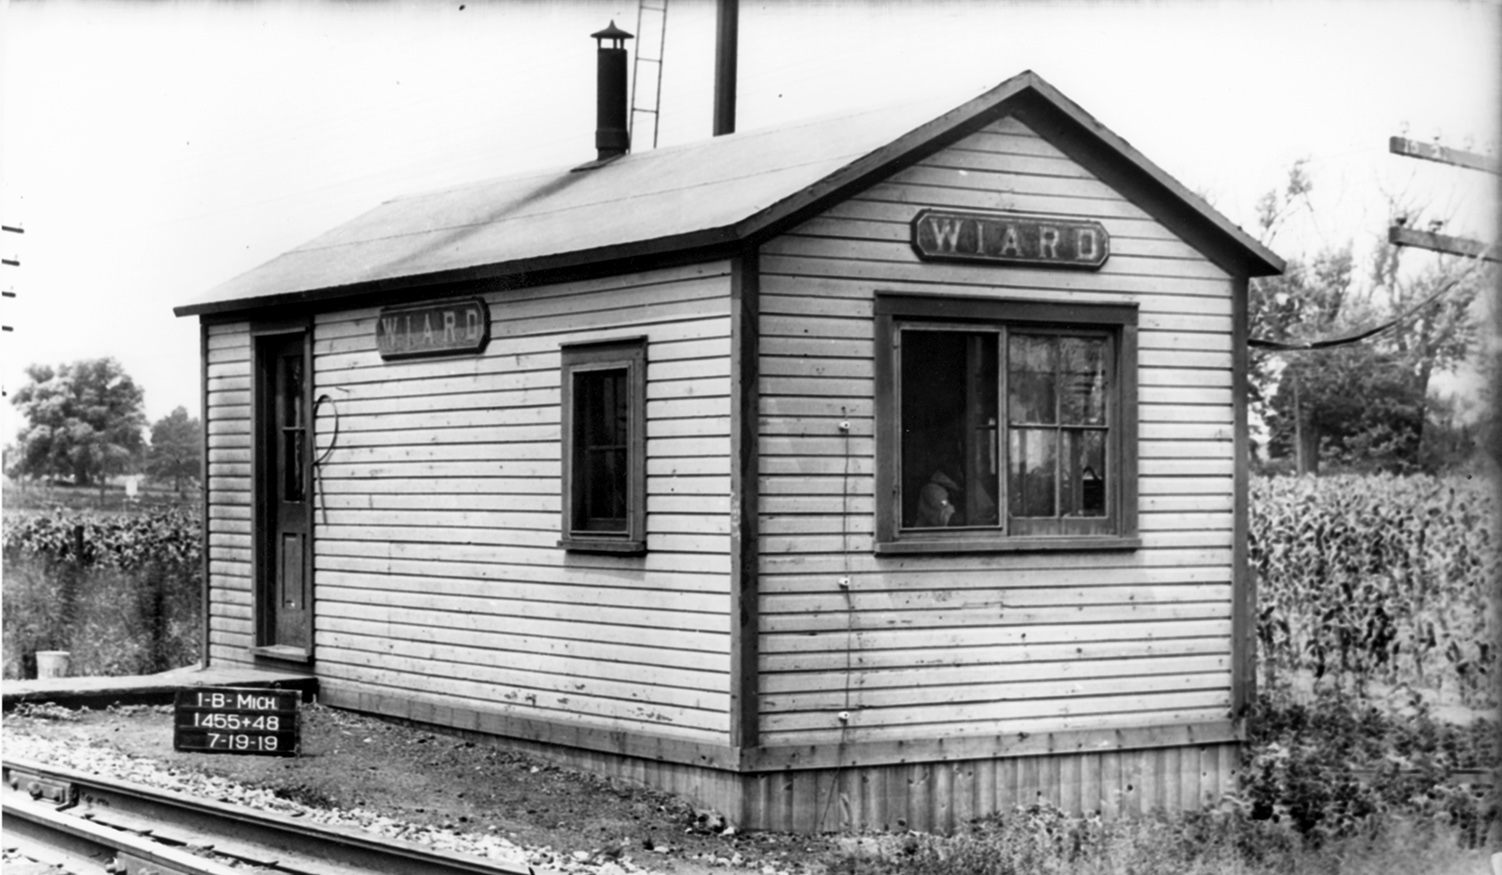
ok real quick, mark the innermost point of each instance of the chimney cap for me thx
(612, 32)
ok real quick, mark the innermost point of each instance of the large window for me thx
(1005, 425)
(604, 447)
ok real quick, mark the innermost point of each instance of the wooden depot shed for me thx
(875, 471)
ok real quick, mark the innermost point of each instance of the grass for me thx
(113, 623)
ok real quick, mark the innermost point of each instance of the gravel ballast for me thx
(419, 785)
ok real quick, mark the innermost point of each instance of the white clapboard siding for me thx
(948, 646)
(436, 561)
(227, 419)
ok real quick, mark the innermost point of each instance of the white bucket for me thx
(52, 663)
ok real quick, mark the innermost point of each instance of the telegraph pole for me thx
(8, 260)
(1401, 235)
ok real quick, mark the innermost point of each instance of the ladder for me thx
(648, 100)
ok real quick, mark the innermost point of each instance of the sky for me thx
(151, 151)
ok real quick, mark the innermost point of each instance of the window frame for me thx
(630, 355)
(895, 311)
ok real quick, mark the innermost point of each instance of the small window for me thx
(604, 447)
(1005, 425)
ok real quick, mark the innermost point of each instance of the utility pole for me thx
(8, 259)
(1401, 235)
(1443, 154)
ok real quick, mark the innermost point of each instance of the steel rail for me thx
(83, 814)
(42, 832)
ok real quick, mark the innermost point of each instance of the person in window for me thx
(941, 503)
(935, 507)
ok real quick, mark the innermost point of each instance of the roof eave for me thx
(700, 245)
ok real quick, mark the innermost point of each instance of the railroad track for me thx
(92, 825)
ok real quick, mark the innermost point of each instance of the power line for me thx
(1345, 340)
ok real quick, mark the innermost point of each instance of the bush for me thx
(1341, 768)
(1042, 841)
(1331, 785)
(122, 593)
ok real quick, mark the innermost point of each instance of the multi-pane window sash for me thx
(604, 446)
(1005, 425)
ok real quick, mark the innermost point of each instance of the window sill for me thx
(1028, 544)
(283, 653)
(603, 545)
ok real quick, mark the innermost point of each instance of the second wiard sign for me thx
(1010, 238)
(442, 328)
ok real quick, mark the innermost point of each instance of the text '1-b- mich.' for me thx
(236, 720)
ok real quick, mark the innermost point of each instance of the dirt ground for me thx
(427, 778)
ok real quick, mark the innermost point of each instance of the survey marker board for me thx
(237, 720)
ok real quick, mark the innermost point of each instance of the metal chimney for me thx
(612, 138)
(727, 23)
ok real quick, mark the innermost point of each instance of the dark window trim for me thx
(631, 354)
(1120, 319)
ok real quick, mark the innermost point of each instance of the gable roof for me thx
(710, 197)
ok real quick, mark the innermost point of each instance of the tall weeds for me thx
(121, 592)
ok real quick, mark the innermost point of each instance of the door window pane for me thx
(290, 412)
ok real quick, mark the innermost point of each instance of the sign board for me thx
(443, 328)
(236, 720)
(1010, 238)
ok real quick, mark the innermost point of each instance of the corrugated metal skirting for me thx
(938, 797)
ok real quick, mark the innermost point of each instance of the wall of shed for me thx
(438, 581)
(438, 574)
(970, 646)
(227, 420)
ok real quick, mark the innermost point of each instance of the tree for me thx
(1439, 336)
(84, 421)
(176, 453)
(1364, 404)
(1357, 406)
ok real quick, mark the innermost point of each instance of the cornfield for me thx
(1377, 578)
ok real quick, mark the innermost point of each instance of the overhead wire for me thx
(1357, 337)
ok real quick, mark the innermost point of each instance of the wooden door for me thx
(285, 594)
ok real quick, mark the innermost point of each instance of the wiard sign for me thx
(1010, 238)
(442, 328)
